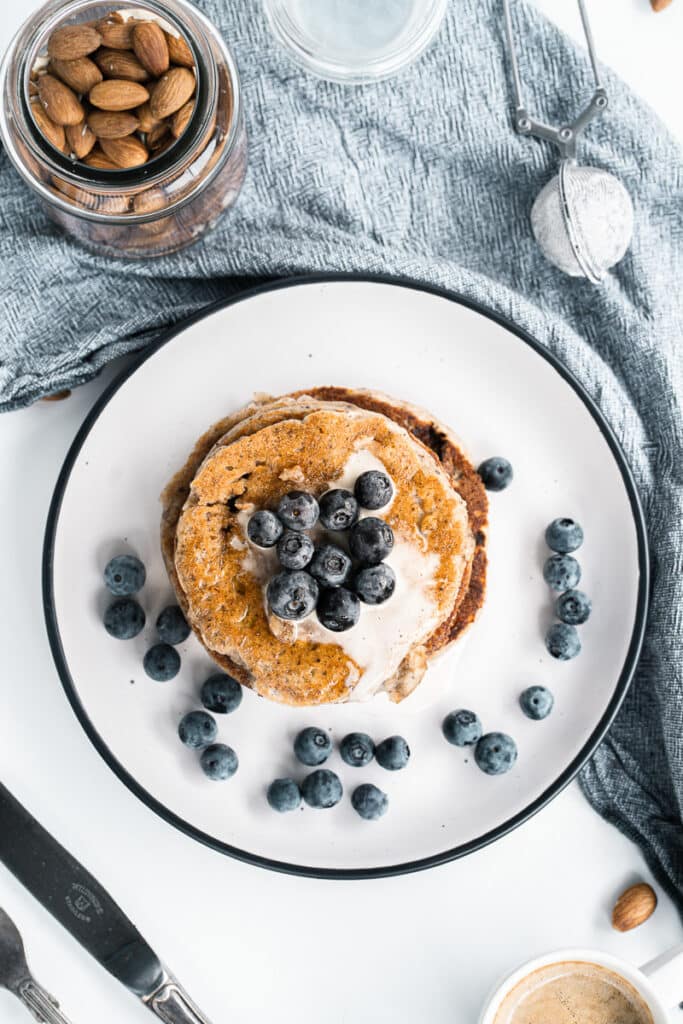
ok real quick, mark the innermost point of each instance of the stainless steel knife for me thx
(88, 912)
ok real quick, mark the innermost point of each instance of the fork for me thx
(16, 977)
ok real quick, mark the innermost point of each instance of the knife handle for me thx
(75, 898)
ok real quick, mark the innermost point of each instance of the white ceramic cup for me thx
(660, 982)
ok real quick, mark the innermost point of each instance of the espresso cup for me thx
(659, 983)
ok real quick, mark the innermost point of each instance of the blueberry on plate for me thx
(292, 595)
(338, 509)
(375, 584)
(221, 694)
(312, 746)
(373, 490)
(161, 662)
(562, 641)
(369, 801)
(357, 749)
(330, 566)
(564, 535)
(264, 529)
(495, 753)
(338, 609)
(298, 510)
(561, 572)
(295, 550)
(371, 540)
(536, 702)
(573, 607)
(124, 575)
(124, 619)
(462, 728)
(496, 473)
(197, 729)
(219, 762)
(322, 788)
(284, 795)
(392, 753)
(172, 626)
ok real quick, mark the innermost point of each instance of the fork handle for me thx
(42, 1005)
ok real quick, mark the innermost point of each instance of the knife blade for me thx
(84, 907)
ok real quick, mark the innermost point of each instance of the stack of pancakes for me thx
(313, 441)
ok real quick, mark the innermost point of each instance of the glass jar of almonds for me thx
(126, 120)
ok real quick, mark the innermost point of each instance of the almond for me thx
(146, 118)
(181, 118)
(80, 74)
(58, 396)
(96, 158)
(178, 51)
(80, 139)
(118, 94)
(659, 5)
(54, 133)
(171, 92)
(117, 34)
(120, 64)
(109, 124)
(150, 201)
(128, 152)
(149, 44)
(32, 90)
(73, 41)
(59, 101)
(157, 136)
(634, 907)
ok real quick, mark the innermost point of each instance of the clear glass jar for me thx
(172, 199)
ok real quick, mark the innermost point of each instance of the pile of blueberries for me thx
(562, 573)
(325, 577)
(323, 788)
(125, 576)
(221, 695)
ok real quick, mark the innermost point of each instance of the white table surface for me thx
(420, 948)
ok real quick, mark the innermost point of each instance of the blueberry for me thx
(298, 510)
(338, 509)
(219, 762)
(536, 702)
(562, 641)
(124, 619)
(496, 473)
(461, 728)
(125, 575)
(393, 753)
(371, 540)
(292, 595)
(312, 746)
(284, 795)
(564, 535)
(357, 749)
(295, 550)
(338, 609)
(161, 662)
(221, 694)
(369, 801)
(373, 489)
(330, 566)
(561, 572)
(375, 584)
(322, 789)
(197, 729)
(172, 626)
(573, 607)
(495, 753)
(264, 529)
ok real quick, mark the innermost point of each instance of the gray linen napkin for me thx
(423, 177)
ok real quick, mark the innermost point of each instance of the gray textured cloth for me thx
(422, 176)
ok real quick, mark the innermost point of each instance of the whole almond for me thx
(54, 133)
(149, 201)
(181, 118)
(80, 74)
(157, 136)
(659, 5)
(73, 41)
(128, 152)
(634, 907)
(146, 118)
(59, 101)
(171, 92)
(96, 158)
(80, 139)
(149, 44)
(111, 124)
(116, 34)
(58, 396)
(120, 64)
(118, 94)
(178, 51)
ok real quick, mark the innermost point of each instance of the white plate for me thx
(503, 395)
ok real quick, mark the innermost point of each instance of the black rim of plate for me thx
(444, 856)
